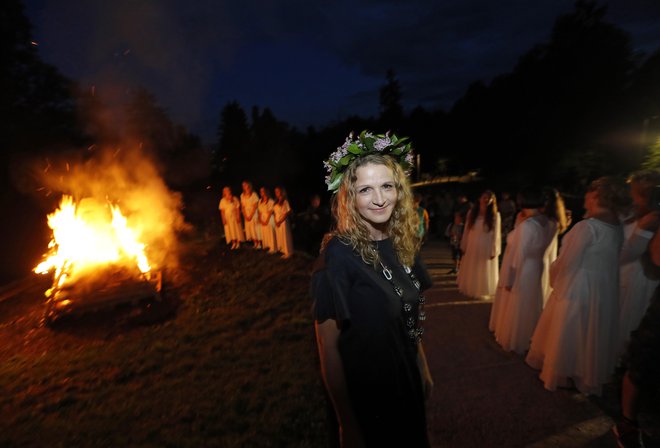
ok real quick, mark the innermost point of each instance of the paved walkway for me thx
(485, 397)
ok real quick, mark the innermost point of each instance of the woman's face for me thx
(226, 192)
(278, 193)
(262, 193)
(375, 194)
(246, 188)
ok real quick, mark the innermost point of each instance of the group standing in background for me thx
(262, 221)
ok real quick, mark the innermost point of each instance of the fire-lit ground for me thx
(227, 359)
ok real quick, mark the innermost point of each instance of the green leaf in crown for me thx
(367, 143)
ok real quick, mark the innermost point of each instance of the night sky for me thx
(309, 61)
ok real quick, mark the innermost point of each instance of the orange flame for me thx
(87, 237)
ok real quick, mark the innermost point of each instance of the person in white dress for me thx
(555, 209)
(249, 202)
(282, 210)
(267, 220)
(636, 290)
(576, 337)
(519, 299)
(231, 218)
(481, 246)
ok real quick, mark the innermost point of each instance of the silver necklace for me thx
(413, 325)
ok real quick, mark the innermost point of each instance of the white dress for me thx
(576, 336)
(268, 238)
(232, 214)
(502, 295)
(636, 289)
(283, 231)
(522, 304)
(549, 258)
(478, 274)
(249, 205)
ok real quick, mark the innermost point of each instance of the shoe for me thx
(627, 436)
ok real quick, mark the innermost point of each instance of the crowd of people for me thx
(571, 312)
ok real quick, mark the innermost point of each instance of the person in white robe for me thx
(520, 291)
(267, 221)
(282, 210)
(249, 202)
(555, 209)
(575, 341)
(481, 246)
(636, 290)
(230, 213)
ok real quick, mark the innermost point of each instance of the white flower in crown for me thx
(381, 143)
(366, 143)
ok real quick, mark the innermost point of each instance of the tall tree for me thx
(391, 110)
(34, 94)
(233, 137)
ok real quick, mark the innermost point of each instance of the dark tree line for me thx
(580, 105)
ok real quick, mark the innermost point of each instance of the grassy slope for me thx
(235, 366)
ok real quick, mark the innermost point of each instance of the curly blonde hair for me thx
(401, 227)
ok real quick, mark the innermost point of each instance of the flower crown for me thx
(367, 143)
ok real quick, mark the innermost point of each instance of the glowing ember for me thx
(88, 236)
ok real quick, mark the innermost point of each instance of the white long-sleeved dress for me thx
(576, 336)
(249, 204)
(230, 208)
(265, 210)
(479, 272)
(520, 291)
(636, 290)
(283, 231)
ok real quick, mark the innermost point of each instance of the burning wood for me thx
(96, 258)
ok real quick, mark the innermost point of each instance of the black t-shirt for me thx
(379, 359)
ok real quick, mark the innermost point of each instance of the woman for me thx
(281, 211)
(555, 210)
(367, 287)
(249, 202)
(519, 298)
(231, 218)
(481, 245)
(267, 221)
(636, 289)
(576, 336)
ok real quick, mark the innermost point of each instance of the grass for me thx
(232, 364)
